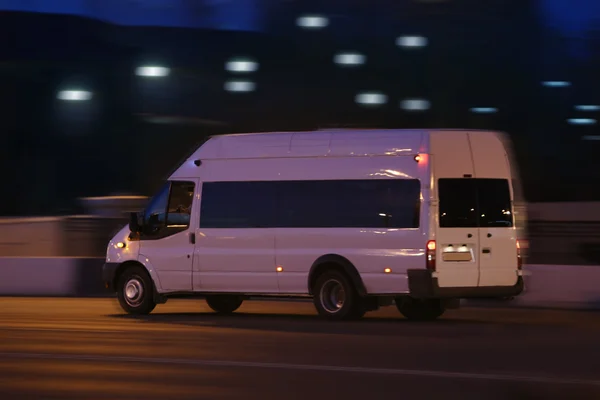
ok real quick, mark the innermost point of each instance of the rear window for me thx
(458, 203)
(493, 197)
(470, 203)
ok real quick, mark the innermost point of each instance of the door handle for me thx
(192, 238)
(487, 250)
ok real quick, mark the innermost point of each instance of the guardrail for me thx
(564, 242)
(555, 286)
(51, 276)
(550, 242)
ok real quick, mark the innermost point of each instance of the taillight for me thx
(430, 254)
(519, 259)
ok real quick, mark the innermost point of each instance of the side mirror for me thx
(134, 223)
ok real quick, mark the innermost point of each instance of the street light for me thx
(587, 107)
(349, 59)
(581, 121)
(312, 21)
(371, 98)
(415, 104)
(241, 65)
(411, 41)
(74, 95)
(152, 71)
(240, 86)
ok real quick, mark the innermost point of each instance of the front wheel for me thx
(224, 304)
(420, 310)
(135, 291)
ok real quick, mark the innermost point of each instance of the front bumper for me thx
(423, 285)
(109, 271)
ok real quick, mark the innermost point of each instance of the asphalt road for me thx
(87, 349)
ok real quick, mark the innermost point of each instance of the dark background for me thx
(135, 130)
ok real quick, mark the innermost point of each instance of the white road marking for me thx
(305, 367)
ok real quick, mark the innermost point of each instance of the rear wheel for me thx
(135, 291)
(224, 304)
(335, 297)
(420, 309)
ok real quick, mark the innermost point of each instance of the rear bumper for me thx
(109, 271)
(423, 285)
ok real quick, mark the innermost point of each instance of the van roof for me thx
(328, 142)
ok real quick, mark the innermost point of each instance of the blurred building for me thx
(105, 97)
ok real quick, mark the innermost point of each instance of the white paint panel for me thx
(171, 258)
(451, 154)
(383, 283)
(235, 260)
(364, 143)
(266, 145)
(310, 144)
(499, 266)
(489, 156)
(369, 250)
(278, 144)
(313, 168)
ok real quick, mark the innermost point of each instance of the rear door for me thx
(497, 236)
(457, 238)
(476, 235)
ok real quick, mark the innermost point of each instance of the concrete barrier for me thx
(556, 286)
(548, 286)
(66, 236)
(51, 276)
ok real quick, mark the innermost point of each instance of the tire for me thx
(336, 298)
(420, 310)
(224, 304)
(135, 291)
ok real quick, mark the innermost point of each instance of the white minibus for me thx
(354, 219)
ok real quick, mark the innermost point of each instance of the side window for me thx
(308, 204)
(155, 213)
(311, 204)
(180, 204)
(458, 203)
(495, 208)
(350, 204)
(238, 205)
(169, 210)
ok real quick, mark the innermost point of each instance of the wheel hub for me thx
(333, 296)
(134, 292)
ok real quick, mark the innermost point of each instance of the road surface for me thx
(87, 349)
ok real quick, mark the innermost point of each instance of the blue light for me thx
(484, 110)
(582, 121)
(555, 84)
(587, 108)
